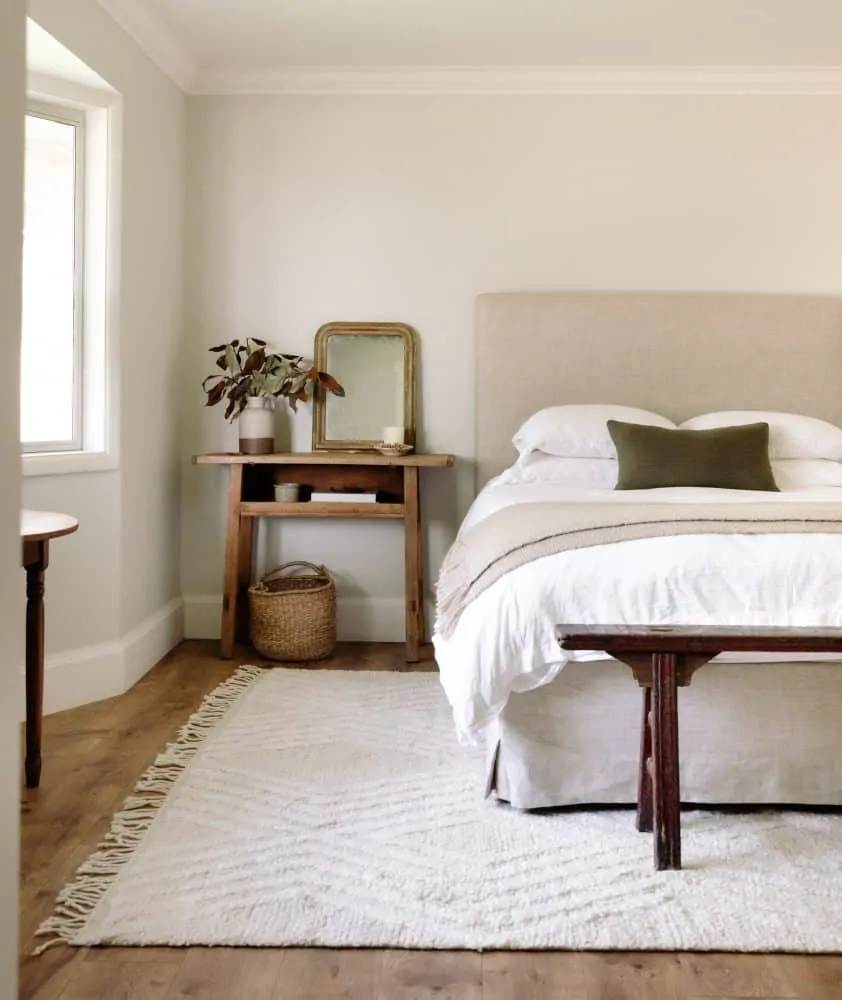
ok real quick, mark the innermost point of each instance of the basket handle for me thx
(317, 570)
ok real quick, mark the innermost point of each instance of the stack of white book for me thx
(326, 497)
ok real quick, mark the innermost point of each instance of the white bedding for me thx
(505, 643)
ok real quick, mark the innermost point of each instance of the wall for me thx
(12, 48)
(304, 210)
(114, 591)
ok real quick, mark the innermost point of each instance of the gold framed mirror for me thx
(375, 363)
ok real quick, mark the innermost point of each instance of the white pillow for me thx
(791, 435)
(538, 467)
(805, 473)
(579, 431)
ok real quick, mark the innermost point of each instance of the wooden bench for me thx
(662, 659)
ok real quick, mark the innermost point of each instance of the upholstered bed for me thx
(566, 733)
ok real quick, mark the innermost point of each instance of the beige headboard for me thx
(677, 354)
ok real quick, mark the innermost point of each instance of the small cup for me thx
(286, 492)
(393, 435)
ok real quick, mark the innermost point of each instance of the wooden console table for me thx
(251, 483)
(662, 659)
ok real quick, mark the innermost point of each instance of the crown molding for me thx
(160, 43)
(156, 39)
(770, 80)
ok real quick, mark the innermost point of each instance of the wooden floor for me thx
(93, 756)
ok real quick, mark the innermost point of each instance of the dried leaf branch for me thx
(248, 369)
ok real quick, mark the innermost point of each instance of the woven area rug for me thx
(336, 808)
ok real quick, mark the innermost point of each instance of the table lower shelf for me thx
(306, 508)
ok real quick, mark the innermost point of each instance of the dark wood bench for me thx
(662, 659)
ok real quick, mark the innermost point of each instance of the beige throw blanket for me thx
(521, 533)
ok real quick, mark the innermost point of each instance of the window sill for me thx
(67, 463)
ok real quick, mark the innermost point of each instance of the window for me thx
(53, 281)
(71, 278)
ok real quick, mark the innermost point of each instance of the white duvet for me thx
(505, 642)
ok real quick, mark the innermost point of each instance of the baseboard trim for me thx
(358, 619)
(82, 675)
(91, 673)
(150, 641)
(370, 619)
(202, 616)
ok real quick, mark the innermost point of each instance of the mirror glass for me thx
(375, 364)
(370, 368)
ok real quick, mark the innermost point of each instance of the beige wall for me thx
(309, 209)
(12, 48)
(114, 600)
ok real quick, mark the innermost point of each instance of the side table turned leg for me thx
(36, 565)
(665, 777)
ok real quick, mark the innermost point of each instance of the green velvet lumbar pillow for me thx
(731, 458)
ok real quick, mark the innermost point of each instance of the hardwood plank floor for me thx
(92, 758)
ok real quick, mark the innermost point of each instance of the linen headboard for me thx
(679, 354)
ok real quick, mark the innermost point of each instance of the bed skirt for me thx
(749, 733)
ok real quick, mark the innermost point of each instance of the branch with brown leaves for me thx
(249, 369)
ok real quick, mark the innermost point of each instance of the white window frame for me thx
(66, 115)
(97, 446)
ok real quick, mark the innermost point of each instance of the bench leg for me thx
(665, 778)
(644, 773)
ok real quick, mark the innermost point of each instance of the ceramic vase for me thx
(256, 426)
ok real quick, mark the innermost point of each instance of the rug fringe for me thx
(93, 878)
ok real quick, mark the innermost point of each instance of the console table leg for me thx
(245, 572)
(665, 778)
(644, 774)
(231, 582)
(413, 565)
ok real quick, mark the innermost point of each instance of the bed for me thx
(564, 732)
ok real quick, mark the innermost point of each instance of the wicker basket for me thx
(293, 617)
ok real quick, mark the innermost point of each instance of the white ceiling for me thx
(271, 33)
(231, 37)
